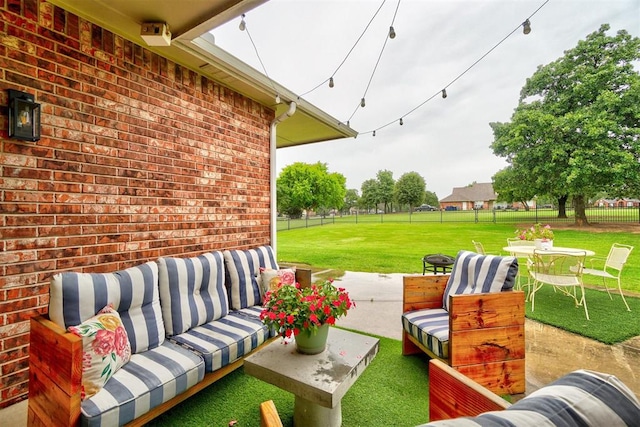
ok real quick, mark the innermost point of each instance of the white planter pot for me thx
(544, 245)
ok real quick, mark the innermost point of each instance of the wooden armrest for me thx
(303, 276)
(55, 374)
(422, 292)
(474, 311)
(269, 415)
(452, 394)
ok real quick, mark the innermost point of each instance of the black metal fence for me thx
(594, 215)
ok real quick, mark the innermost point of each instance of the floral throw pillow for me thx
(271, 278)
(106, 349)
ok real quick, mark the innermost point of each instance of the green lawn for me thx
(398, 247)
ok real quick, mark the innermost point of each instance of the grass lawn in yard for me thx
(398, 247)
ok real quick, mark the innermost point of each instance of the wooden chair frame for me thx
(486, 332)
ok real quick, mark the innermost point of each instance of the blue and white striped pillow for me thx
(75, 297)
(581, 398)
(192, 291)
(243, 273)
(473, 273)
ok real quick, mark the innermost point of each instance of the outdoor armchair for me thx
(613, 264)
(470, 319)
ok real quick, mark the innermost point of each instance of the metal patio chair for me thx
(613, 264)
(563, 271)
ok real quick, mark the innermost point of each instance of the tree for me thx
(303, 186)
(351, 199)
(507, 184)
(409, 189)
(576, 129)
(431, 198)
(386, 186)
(370, 194)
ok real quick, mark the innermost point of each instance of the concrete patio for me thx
(550, 352)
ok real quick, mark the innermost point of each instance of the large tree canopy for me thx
(303, 186)
(576, 130)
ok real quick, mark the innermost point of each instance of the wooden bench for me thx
(486, 332)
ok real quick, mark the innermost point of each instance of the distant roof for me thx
(475, 192)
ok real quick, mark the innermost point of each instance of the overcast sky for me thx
(447, 141)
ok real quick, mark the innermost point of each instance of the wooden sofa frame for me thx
(55, 374)
(486, 332)
(453, 395)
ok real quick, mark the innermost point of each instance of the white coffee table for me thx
(318, 381)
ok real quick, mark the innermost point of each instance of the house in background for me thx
(474, 196)
(617, 203)
(148, 150)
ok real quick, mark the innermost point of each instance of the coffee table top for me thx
(320, 378)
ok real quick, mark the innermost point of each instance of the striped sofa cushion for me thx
(75, 297)
(192, 291)
(430, 327)
(225, 340)
(148, 380)
(243, 273)
(473, 273)
(581, 398)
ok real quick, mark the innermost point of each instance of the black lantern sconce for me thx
(24, 116)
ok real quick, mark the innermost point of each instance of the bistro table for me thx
(318, 381)
(528, 250)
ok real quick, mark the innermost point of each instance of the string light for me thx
(374, 133)
(350, 50)
(526, 27)
(362, 104)
(278, 98)
(401, 122)
(392, 32)
(243, 25)
(330, 81)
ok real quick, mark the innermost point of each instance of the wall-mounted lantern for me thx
(24, 116)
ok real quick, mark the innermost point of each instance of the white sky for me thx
(447, 141)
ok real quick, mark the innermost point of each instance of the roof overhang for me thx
(193, 47)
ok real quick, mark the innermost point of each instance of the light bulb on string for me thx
(362, 104)
(444, 93)
(526, 27)
(277, 98)
(330, 81)
(374, 133)
(401, 122)
(392, 32)
(243, 25)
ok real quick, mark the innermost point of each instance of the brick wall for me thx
(139, 158)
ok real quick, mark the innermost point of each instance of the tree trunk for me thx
(562, 206)
(581, 215)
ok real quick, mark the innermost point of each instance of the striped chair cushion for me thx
(75, 297)
(225, 340)
(581, 398)
(430, 327)
(148, 380)
(192, 291)
(243, 273)
(473, 273)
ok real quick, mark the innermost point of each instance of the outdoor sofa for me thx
(580, 398)
(188, 322)
(471, 319)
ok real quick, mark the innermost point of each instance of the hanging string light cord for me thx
(386, 39)
(246, 28)
(443, 92)
(350, 51)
